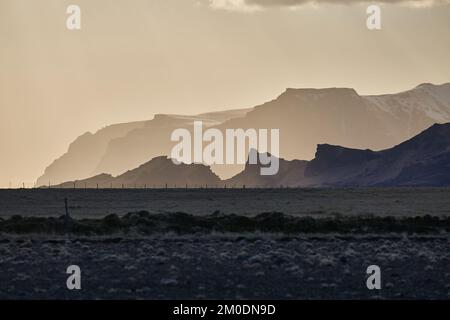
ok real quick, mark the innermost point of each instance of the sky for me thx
(137, 58)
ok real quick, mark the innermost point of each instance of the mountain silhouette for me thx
(339, 116)
(289, 174)
(159, 172)
(117, 148)
(305, 117)
(421, 161)
(84, 153)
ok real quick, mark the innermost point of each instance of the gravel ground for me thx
(252, 266)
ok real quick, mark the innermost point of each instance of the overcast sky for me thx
(135, 58)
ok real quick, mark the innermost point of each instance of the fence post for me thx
(67, 218)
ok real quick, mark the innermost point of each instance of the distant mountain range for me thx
(117, 148)
(306, 118)
(421, 161)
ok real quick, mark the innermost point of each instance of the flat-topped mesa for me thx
(338, 153)
(317, 93)
(162, 120)
(330, 157)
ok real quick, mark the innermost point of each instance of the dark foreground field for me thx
(225, 244)
(227, 267)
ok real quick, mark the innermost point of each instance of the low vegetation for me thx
(145, 223)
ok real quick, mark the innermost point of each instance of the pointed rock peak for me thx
(255, 154)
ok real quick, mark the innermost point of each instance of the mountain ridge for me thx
(423, 160)
(159, 172)
(306, 118)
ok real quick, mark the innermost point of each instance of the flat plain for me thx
(92, 203)
(225, 265)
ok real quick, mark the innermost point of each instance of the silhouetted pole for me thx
(67, 207)
(67, 217)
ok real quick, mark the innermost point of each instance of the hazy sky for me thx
(135, 58)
